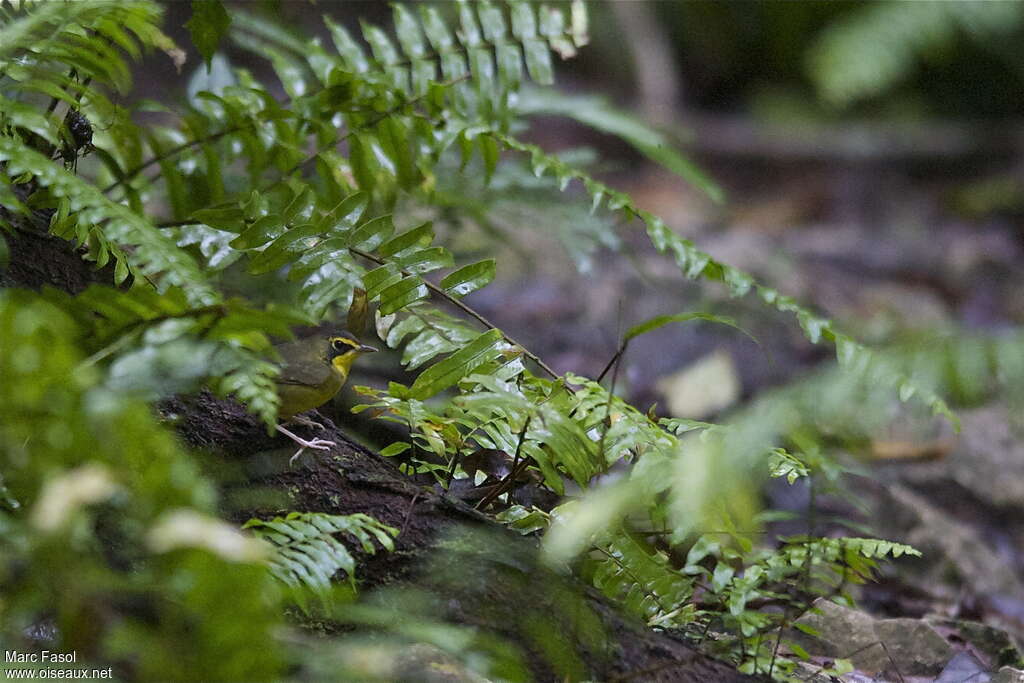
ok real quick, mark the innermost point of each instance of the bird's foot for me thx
(316, 444)
(307, 422)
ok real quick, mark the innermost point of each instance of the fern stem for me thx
(130, 175)
(465, 309)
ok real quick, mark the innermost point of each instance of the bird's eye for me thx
(338, 345)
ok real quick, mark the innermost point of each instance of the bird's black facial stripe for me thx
(343, 344)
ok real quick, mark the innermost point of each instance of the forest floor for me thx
(900, 253)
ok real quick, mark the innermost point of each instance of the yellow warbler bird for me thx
(314, 371)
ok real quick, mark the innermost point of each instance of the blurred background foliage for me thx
(860, 159)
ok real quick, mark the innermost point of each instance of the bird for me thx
(314, 370)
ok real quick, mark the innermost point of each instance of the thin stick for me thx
(517, 466)
(130, 175)
(235, 129)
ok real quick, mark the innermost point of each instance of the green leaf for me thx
(347, 47)
(378, 279)
(538, 61)
(469, 278)
(307, 552)
(395, 141)
(416, 238)
(807, 628)
(402, 293)
(335, 288)
(208, 26)
(426, 260)
(333, 251)
(492, 21)
(601, 115)
(489, 151)
(510, 65)
(448, 372)
(24, 116)
(395, 449)
(259, 233)
(436, 29)
(229, 217)
(346, 214)
(283, 249)
(524, 23)
(364, 164)
(371, 234)
(408, 31)
(662, 320)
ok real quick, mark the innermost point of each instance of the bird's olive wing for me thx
(303, 365)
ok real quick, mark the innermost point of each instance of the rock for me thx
(993, 643)
(908, 646)
(964, 667)
(949, 543)
(912, 647)
(841, 631)
(988, 462)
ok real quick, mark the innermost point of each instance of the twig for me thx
(611, 395)
(235, 129)
(892, 661)
(408, 515)
(130, 175)
(518, 465)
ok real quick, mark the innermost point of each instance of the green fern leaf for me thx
(462, 363)
(308, 552)
(152, 253)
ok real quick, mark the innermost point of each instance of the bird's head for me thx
(343, 348)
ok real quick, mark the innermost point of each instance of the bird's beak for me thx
(363, 348)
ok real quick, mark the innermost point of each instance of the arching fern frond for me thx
(62, 50)
(307, 550)
(643, 581)
(401, 104)
(164, 344)
(325, 246)
(696, 264)
(486, 48)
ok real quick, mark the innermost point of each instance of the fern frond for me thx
(319, 242)
(404, 103)
(307, 550)
(249, 378)
(489, 47)
(87, 217)
(41, 42)
(600, 115)
(171, 346)
(642, 580)
(423, 333)
(696, 264)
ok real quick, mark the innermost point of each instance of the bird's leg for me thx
(318, 444)
(306, 422)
